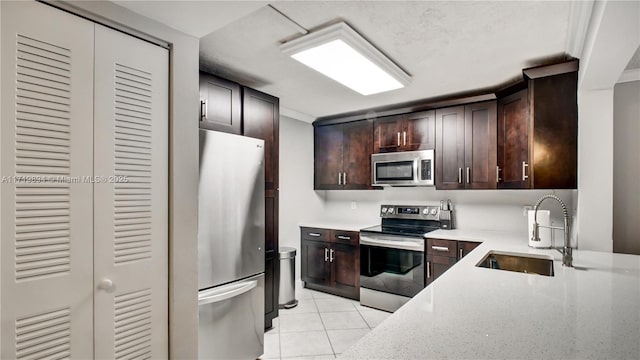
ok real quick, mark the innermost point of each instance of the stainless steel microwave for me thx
(407, 168)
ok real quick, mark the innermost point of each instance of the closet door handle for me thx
(106, 284)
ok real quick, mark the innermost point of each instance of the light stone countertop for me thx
(591, 311)
(335, 225)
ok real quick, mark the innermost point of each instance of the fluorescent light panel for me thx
(344, 56)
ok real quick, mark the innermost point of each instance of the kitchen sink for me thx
(524, 263)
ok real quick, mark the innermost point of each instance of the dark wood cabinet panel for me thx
(342, 156)
(480, 146)
(271, 288)
(220, 105)
(345, 269)
(465, 247)
(420, 131)
(261, 119)
(554, 108)
(513, 140)
(327, 157)
(356, 155)
(450, 151)
(387, 134)
(271, 221)
(331, 261)
(441, 247)
(315, 262)
(436, 266)
(407, 132)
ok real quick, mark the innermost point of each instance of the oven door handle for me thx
(392, 244)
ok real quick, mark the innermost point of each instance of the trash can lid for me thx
(286, 252)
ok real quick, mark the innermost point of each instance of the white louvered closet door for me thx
(130, 218)
(46, 234)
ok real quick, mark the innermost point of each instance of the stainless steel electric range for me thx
(392, 255)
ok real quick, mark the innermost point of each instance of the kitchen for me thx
(595, 31)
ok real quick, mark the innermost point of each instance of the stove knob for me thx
(390, 210)
(434, 211)
(425, 211)
(384, 210)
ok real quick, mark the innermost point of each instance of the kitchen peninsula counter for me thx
(590, 311)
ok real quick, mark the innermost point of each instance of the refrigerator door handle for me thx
(226, 292)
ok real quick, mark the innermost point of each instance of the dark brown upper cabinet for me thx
(513, 141)
(466, 147)
(220, 105)
(406, 132)
(538, 131)
(261, 119)
(342, 155)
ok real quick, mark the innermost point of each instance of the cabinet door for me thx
(356, 155)
(271, 289)
(387, 134)
(315, 262)
(219, 104)
(260, 119)
(450, 128)
(46, 288)
(465, 247)
(130, 217)
(513, 140)
(345, 269)
(436, 266)
(327, 157)
(419, 131)
(480, 146)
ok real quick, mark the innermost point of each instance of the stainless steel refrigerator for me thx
(230, 246)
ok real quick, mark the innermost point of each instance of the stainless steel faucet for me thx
(567, 257)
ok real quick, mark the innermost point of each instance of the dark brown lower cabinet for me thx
(271, 287)
(331, 261)
(443, 254)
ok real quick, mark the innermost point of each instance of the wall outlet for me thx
(354, 205)
(525, 209)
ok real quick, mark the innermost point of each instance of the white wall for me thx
(297, 200)
(626, 168)
(612, 38)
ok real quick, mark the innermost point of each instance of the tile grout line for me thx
(324, 327)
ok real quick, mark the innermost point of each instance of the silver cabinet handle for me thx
(524, 171)
(344, 178)
(468, 175)
(428, 270)
(460, 257)
(203, 110)
(342, 237)
(314, 234)
(404, 138)
(226, 292)
(440, 248)
(498, 174)
(326, 254)
(398, 138)
(339, 178)
(332, 252)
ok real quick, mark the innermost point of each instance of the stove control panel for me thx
(417, 212)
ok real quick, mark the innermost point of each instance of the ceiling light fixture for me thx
(340, 53)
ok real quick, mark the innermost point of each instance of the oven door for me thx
(392, 264)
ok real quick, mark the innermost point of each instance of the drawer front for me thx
(438, 247)
(345, 237)
(314, 234)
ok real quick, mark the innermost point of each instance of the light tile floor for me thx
(321, 327)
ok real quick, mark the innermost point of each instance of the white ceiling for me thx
(447, 47)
